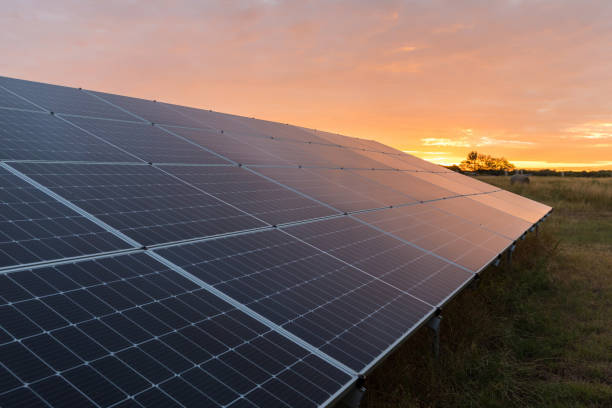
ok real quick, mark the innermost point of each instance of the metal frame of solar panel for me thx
(159, 255)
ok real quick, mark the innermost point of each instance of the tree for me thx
(476, 161)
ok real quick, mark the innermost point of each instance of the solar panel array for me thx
(160, 255)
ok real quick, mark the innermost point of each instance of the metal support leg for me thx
(509, 255)
(434, 324)
(354, 397)
(537, 229)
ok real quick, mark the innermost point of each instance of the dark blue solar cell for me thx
(40, 136)
(254, 194)
(187, 342)
(94, 386)
(349, 314)
(154, 398)
(150, 111)
(24, 208)
(23, 363)
(402, 265)
(9, 100)
(144, 203)
(7, 381)
(52, 352)
(22, 397)
(120, 374)
(149, 143)
(62, 99)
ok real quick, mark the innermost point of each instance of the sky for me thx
(529, 80)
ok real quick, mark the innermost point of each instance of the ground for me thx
(538, 334)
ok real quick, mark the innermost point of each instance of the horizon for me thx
(526, 81)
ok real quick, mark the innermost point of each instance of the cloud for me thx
(468, 140)
(593, 130)
(435, 141)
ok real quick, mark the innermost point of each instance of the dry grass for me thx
(539, 334)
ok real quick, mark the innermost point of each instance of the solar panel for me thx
(342, 189)
(251, 193)
(406, 267)
(451, 237)
(40, 136)
(35, 227)
(237, 149)
(141, 201)
(127, 328)
(156, 255)
(344, 312)
(149, 111)
(485, 216)
(9, 100)
(408, 184)
(62, 99)
(149, 143)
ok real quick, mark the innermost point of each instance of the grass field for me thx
(536, 335)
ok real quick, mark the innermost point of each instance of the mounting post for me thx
(537, 229)
(353, 398)
(434, 325)
(509, 255)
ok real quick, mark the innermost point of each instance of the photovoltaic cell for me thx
(485, 216)
(237, 149)
(141, 201)
(406, 267)
(408, 184)
(278, 130)
(8, 100)
(390, 161)
(111, 331)
(515, 205)
(34, 227)
(150, 143)
(468, 182)
(453, 238)
(62, 99)
(217, 121)
(151, 111)
(347, 314)
(342, 189)
(40, 136)
(459, 187)
(251, 193)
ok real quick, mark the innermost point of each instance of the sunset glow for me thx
(527, 80)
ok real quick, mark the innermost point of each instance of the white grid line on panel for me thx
(116, 106)
(194, 144)
(130, 344)
(70, 205)
(25, 99)
(253, 314)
